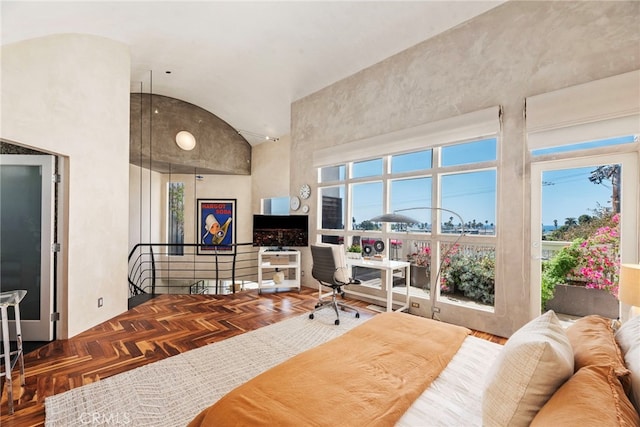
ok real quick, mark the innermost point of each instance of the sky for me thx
(568, 193)
(565, 193)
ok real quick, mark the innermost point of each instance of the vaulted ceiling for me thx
(245, 62)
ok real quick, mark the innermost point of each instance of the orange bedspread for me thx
(368, 376)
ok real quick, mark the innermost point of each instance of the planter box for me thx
(580, 301)
(419, 277)
(354, 255)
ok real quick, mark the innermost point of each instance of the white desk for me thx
(387, 267)
(11, 299)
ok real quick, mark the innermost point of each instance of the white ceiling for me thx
(245, 62)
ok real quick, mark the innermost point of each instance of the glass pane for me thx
(332, 173)
(580, 236)
(336, 240)
(332, 207)
(366, 203)
(467, 275)
(276, 206)
(469, 152)
(419, 254)
(176, 218)
(20, 222)
(367, 168)
(411, 162)
(409, 197)
(471, 195)
(586, 145)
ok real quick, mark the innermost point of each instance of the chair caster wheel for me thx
(311, 316)
(317, 305)
(342, 294)
(357, 315)
(337, 322)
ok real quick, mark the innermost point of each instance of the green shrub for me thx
(473, 276)
(556, 270)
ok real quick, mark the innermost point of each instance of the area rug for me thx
(173, 391)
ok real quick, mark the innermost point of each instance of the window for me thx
(275, 206)
(409, 197)
(367, 168)
(332, 173)
(366, 203)
(586, 145)
(411, 162)
(175, 228)
(469, 152)
(473, 196)
(332, 207)
(459, 177)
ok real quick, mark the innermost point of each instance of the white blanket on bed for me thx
(455, 397)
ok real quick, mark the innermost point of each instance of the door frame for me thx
(629, 209)
(42, 329)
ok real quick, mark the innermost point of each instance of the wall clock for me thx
(305, 191)
(294, 203)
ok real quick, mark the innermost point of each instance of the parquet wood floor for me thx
(160, 328)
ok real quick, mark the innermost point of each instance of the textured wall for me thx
(270, 172)
(499, 58)
(69, 95)
(219, 148)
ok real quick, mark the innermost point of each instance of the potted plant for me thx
(354, 251)
(420, 267)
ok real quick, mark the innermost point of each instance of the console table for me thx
(11, 299)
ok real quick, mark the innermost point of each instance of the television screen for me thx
(280, 231)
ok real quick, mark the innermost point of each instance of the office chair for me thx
(330, 270)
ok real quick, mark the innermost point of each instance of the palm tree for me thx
(570, 222)
(609, 173)
(555, 223)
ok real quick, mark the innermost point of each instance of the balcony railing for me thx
(154, 269)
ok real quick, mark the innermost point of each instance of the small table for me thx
(387, 267)
(11, 299)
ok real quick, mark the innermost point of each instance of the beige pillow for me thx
(533, 364)
(628, 335)
(628, 338)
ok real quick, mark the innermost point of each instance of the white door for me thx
(548, 213)
(26, 230)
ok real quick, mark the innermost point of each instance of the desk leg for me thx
(7, 357)
(389, 282)
(407, 281)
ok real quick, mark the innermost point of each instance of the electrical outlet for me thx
(415, 305)
(100, 302)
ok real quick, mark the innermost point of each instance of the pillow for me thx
(593, 343)
(533, 364)
(339, 259)
(628, 337)
(593, 396)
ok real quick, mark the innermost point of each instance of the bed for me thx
(399, 369)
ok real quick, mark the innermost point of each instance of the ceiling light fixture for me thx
(185, 140)
(246, 133)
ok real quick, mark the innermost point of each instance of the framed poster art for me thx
(216, 225)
